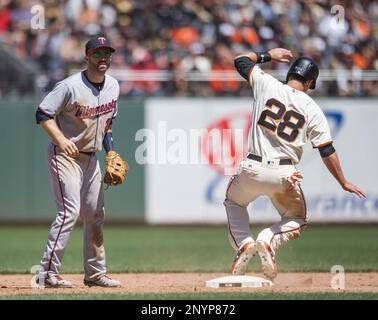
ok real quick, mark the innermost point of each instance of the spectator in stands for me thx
(178, 36)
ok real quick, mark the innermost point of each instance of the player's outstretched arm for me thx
(66, 145)
(333, 164)
(276, 54)
(244, 63)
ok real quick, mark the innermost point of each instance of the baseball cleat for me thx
(268, 263)
(103, 281)
(244, 255)
(55, 281)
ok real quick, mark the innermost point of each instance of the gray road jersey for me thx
(82, 112)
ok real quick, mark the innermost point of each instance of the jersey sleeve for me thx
(318, 131)
(116, 106)
(115, 110)
(56, 100)
(260, 81)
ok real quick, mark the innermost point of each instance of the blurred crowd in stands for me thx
(181, 36)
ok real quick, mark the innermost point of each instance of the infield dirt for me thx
(15, 284)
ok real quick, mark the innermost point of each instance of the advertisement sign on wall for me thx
(191, 148)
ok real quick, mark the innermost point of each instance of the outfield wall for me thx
(25, 193)
(168, 188)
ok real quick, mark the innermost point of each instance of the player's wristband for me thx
(108, 142)
(263, 57)
(326, 150)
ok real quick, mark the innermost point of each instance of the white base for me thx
(239, 282)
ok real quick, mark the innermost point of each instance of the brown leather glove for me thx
(115, 169)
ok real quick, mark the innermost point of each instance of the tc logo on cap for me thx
(101, 39)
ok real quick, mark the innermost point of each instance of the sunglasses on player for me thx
(101, 53)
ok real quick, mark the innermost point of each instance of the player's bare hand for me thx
(294, 179)
(353, 189)
(69, 148)
(281, 55)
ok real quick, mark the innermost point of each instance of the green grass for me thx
(201, 296)
(194, 249)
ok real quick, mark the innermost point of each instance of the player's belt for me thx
(259, 159)
(88, 153)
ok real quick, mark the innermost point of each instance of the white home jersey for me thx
(283, 119)
(83, 112)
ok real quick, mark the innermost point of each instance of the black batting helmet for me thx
(306, 68)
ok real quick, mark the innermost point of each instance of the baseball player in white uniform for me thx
(284, 118)
(77, 115)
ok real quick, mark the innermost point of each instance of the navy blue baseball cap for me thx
(98, 43)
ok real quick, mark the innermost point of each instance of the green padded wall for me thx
(25, 193)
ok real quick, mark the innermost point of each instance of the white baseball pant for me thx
(268, 178)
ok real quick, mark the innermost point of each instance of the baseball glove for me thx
(116, 169)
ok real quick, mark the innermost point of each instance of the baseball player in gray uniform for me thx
(284, 118)
(77, 116)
